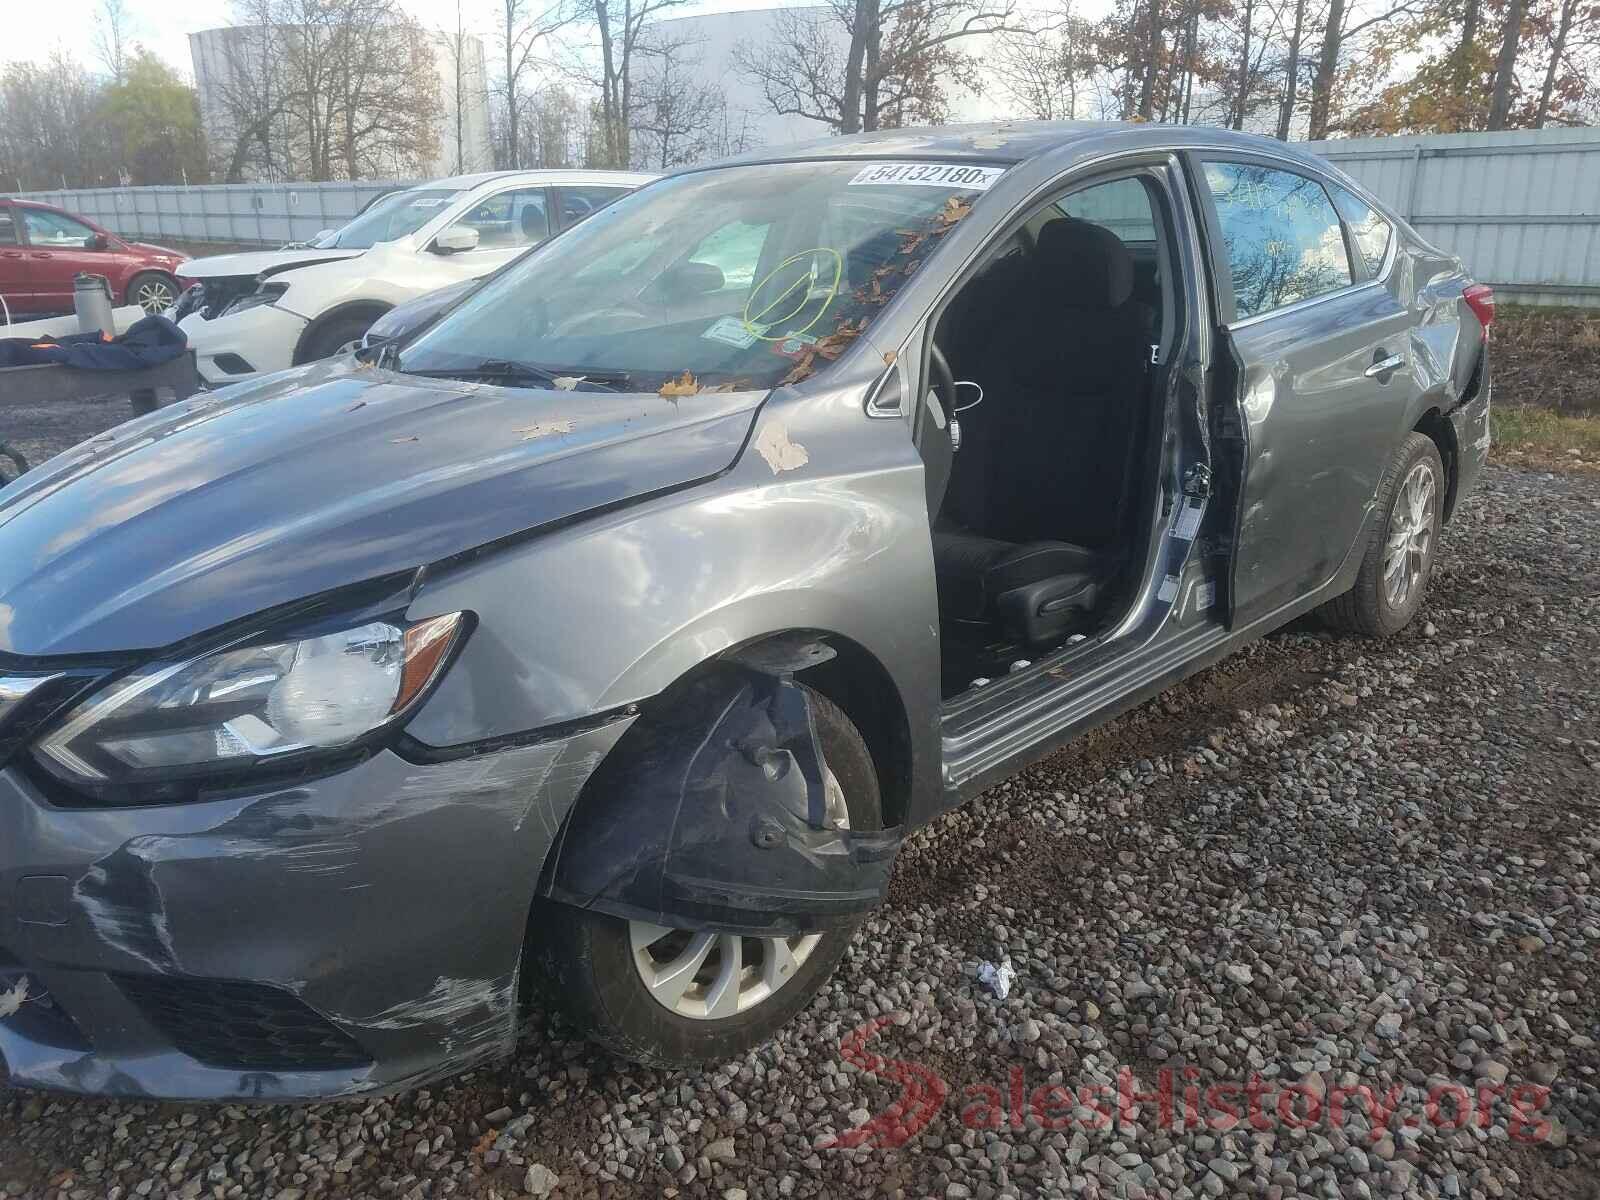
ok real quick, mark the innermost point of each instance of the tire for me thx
(590, 965)
(152, 291)
(1377, 606)
(332, 336)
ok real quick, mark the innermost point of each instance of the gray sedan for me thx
(608, 626)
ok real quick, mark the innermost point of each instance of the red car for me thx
(42, 248)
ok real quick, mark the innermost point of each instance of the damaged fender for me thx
(711, 812)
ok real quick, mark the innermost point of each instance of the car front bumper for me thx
(357, 934)
(243, 345)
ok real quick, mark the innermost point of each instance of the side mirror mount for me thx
(323, 233)
(456, 240)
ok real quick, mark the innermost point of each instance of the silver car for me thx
(610, 623)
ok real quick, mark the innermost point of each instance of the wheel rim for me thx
(708, 975)
(154, 297)
(1410, 541)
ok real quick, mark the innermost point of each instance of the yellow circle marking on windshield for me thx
(759, 322)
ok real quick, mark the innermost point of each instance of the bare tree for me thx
(625, 28)
(466, 86)
(111, 28)
(870, 64)
(1505, 67)
(1291, 73)
(525, 26)
(675, 114)
(48, 133)
(1041, 72)
(1558, 54)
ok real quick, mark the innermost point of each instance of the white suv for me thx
(253, 313)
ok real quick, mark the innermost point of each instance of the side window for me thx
(509, 219)
(1120, 205)
(1369, 231)
(53, 229)
(8, 228)
(1282, 235)
(735, 250)
(578, 202)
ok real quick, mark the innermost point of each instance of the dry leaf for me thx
(12, 999)
(989, 141)
(802, 367)
(567, 383)
(889, 358)
(837, 342)
(402, 441)
(684, 385)
(545, 429)
(954, 209)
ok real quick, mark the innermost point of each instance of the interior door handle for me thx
(1383, 366)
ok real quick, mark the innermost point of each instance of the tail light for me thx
(1480, 299)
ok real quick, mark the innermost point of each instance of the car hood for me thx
(152, 248)
(269, 492)
(257, 261)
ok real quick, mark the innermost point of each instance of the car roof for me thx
(479, 178)
(1013, 142)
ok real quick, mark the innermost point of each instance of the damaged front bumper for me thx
(359, 933)
(239, 346)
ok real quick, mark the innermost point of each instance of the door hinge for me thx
(1197, 481)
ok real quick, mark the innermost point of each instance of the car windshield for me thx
(736, 277)
(392, 217)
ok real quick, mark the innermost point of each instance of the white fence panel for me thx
(1521, 208)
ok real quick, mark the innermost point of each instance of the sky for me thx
(35, 29)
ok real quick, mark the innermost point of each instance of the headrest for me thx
(1085, 265)
(534, 224)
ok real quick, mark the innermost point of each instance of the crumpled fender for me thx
(709, 813)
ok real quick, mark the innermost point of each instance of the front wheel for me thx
(677, 997)
(153, 292)
(1400, 552)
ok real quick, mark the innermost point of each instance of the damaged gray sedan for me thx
(613, 625)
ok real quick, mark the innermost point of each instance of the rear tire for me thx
(1401, 545)
(591, 964)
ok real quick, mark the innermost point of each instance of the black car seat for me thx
(1058, 431)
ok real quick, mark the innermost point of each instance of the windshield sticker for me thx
(430, 202)
(732, 331)
(945, 175)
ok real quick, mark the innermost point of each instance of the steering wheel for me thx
(595, 322)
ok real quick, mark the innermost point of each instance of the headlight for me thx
(148, 735)
(267, 293)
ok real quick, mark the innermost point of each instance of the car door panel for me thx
(57, 251)
(15, 286)
(1323, 381)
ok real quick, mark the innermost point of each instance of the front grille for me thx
(241, 1026)
(40, 1018)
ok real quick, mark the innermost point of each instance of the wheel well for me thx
(1437, 427)
(857, 682)
(357, 308)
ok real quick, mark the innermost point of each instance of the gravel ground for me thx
(1326, 862)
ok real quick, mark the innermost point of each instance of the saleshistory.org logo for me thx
(1180, 1102)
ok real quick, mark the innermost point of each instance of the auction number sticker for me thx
(945, 175)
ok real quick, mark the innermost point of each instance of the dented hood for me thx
(263, 494)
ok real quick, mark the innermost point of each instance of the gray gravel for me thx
(1326, 862)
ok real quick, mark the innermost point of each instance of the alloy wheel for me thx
(155, 296)
(1410, 539)
(707, 975)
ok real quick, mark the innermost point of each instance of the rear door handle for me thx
(1383, 366)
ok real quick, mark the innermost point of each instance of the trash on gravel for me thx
(997, 979)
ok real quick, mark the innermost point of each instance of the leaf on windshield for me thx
(566, 383)
(545, 429)
(954, 209)
(803, 366)
(913, 239)
(683, 385)
(837, 342)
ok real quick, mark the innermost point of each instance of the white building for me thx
(234, 60)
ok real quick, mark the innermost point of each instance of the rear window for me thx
(1369, 231)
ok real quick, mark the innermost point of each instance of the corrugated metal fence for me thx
(246, 213)
(1522, 209)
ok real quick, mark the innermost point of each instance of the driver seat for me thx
(1036, 591)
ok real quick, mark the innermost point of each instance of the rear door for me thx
(1322, 374)
(59, 247)
(14, 285)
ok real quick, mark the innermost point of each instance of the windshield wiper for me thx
(505, 370)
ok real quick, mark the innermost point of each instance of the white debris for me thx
(14, 997)
(997, 979)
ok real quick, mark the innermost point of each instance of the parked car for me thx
(42, 248)
(613, 628)
(254, 313)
